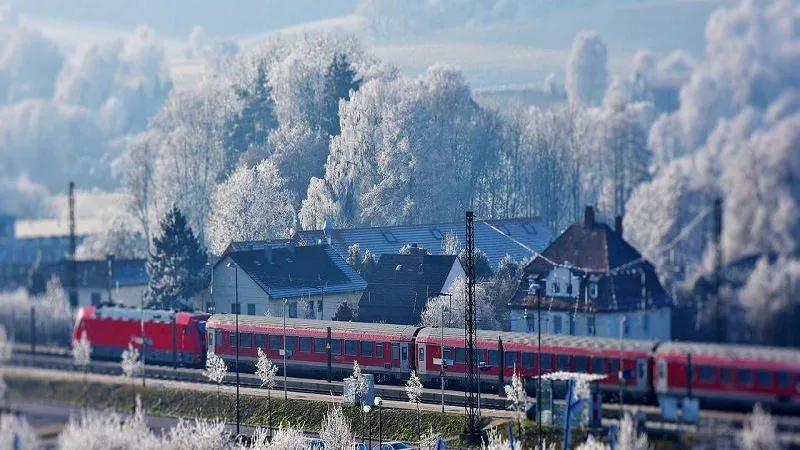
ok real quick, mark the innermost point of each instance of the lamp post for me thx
(285, 392)
(238, 338)
(443, 361)
(379, 403)
(621, 374)
(366, 409)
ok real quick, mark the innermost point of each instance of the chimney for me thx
(327, 229)
(588, 217)
(618, 225)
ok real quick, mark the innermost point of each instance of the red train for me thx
(724, 375)
(170, 337)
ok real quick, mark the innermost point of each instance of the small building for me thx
(118, 281)
(311, 281)
(591, 282)
(495, 238)
(400, 284)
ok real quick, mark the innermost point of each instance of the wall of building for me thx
(128, 295)
(224, 294)
(639, 324)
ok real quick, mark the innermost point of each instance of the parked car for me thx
(360, 446)
(392, 445)
(314, 444)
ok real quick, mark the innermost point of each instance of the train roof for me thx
(730, 351)
(226, 320)
(149, 315)
(530, 339)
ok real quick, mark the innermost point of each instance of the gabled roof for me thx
(400, 284)
(94, 273)
(495, 238)
(286, 271)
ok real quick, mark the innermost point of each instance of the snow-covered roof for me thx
(42, 228)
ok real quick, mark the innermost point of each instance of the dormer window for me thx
(556, 287)
(593, 289)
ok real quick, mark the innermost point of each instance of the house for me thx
(310, 281)
(591, 282)
(496, 238)
(399, 286)
(119, 281)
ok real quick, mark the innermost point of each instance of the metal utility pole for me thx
(472, 431)
(285, 392)
(238, 339)
(71, 264)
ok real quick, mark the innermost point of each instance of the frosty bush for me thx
(335, 431)
(13, 426)
(197, 435)
(54, 318)
(759, 433)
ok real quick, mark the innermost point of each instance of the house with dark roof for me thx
(110, 280)
(400, 284)
(591, 282)
(496, 238)
(309, 281)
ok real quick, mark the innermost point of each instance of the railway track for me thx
(60, 359)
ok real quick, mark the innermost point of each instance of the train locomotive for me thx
(170, 337)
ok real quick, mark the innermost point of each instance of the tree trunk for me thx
(217, 400)
(269, 413)
(419, 434)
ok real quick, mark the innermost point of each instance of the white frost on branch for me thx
(586, 73)
(15, 430)
(414, 388)
(759, 432)
(335, 431)
(266, 370)
(82, 350)
(216, 369)
(515, 392)
(355, 385)
(131, 363)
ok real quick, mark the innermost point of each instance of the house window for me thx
(625, 325)
(236, 308)
(95, 298)
(310, 310)
(530, 321)
(593, 289)
(319, 306)
(591, 326)
(557, 325)
(293, 310)
(571, 324)
(646, 323)
(556, 287)
(251, 309)
(211, 307)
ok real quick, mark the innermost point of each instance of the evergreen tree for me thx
(483, 270)
(340, 79)
(175, 263)
(344, 313)
(249, 129)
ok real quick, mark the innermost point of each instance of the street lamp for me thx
(366, 410)
(285, 392)
(238, 338)
(621, 374)
(443, 361)
(379, 403)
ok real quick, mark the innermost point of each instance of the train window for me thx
(613, 367)
(379, 350)
(305, 344)
(350, 348)
(336, 346)
(261, 341)
(275, 342)
(546, 361)
(247, 340)
(494, 357)
(291, 343)
(764, 378)
(511, 359)
(395, 350)
(562, 363)
(784, 379)
(367, 348)
(218, 338)
(232, 339)
(726, 375)
(461, 355)
(319, 345)
(745, 376)
(448, 353)
(421, 354)
(706, 373)
(528, 360)
(598, 365)
(580, 364)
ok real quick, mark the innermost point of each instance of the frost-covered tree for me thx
(82, 357)
(483, 270)
(340, 79)
(454, 309)
(344, 313)
(299, 153)
(17, 434)
(285, 438)
(355, 386)
(197, 434)
(138, 181)
(98, 430)
(515, 392)
(414, 392)
(335, 430)
(586, 73)
(265, 371)
(451, 244)
(216, 370)
(175, 262)
(6, 349)
(131, 364)
(759, 432)
(120, 238)
(252, 204)
(429, 440)
(628, 436)
(247, 130)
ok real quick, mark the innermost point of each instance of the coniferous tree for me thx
(175, 263)
(249, 129)
(340, 79)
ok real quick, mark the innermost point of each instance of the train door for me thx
(404, 356)
(661, 376)
(641, 375)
